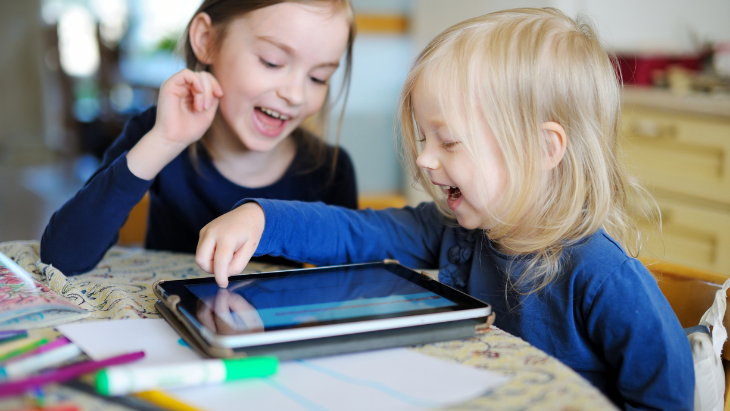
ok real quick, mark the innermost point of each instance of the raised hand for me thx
(186, 107)
(227, 243)
(187, 104)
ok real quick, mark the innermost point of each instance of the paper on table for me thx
(104, 339)
(394, 379)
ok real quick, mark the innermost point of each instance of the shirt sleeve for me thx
(325, 235)
(86, 226)
(642, 340)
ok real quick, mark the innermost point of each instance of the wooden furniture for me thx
(691, 292)
(679, 147)
(379, 201)
(381, 23)
(134, 229)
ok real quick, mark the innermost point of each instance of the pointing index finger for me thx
(221, 261)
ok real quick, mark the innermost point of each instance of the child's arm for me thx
(83, 229)
(318, 234)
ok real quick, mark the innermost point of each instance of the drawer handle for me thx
(652, 129)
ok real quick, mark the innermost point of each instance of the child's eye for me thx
(318, 81)
(448, 145)
(268, 64)
(420, 139)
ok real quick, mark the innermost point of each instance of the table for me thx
(119, 288)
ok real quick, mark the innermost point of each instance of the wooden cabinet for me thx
(682, 156)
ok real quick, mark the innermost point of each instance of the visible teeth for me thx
(270, 112)
(451, 191)
(454, 193)
(274, 114)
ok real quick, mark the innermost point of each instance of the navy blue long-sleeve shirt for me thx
(183, 199)
(604, 315)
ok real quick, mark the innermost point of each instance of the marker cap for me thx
(238, 368)
(102, 382)
(126, 379)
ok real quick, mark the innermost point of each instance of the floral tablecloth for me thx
(119, 288)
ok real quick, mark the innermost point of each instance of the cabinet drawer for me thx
(685, 154)
(691, 235)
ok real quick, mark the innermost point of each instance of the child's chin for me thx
(473, 223)
(468, 223)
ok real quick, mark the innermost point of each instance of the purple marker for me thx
(65, 373)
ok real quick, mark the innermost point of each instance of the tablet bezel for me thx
(467, 308)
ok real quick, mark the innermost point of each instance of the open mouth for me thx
(269, 118)
(452, 193)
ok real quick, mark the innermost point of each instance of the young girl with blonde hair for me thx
(511, 122)
(225, 128)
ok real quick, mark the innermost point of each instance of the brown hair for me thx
(221, 12)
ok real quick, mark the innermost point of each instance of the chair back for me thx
(691, 291)
(133, 231)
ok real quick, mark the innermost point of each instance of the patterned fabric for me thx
(119, 288)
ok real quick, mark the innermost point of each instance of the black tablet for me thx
(309, 304)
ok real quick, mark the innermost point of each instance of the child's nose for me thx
(292, 90)
(426, 160)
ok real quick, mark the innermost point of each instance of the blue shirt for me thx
(604, 315)
(183, 199)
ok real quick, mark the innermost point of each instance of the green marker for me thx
(125, 379)
(23, 349)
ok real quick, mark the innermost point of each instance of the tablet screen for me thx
(321, 297)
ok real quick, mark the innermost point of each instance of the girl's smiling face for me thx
(274, 65)
(474, 191)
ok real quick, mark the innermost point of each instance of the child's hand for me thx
(186, 107)
(227, 243)
(187, 104)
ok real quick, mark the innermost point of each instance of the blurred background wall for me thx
(73, 71)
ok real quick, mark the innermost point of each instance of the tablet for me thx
(312, 304)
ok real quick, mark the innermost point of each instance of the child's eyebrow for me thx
(431, 123)
(275, 43)
(436, 125)
(290, 51)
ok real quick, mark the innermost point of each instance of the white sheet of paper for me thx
(394, 379)
(104, 339)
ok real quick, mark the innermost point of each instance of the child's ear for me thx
(201, 37)
(556, 140)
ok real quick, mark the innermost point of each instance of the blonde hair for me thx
(516, 70)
